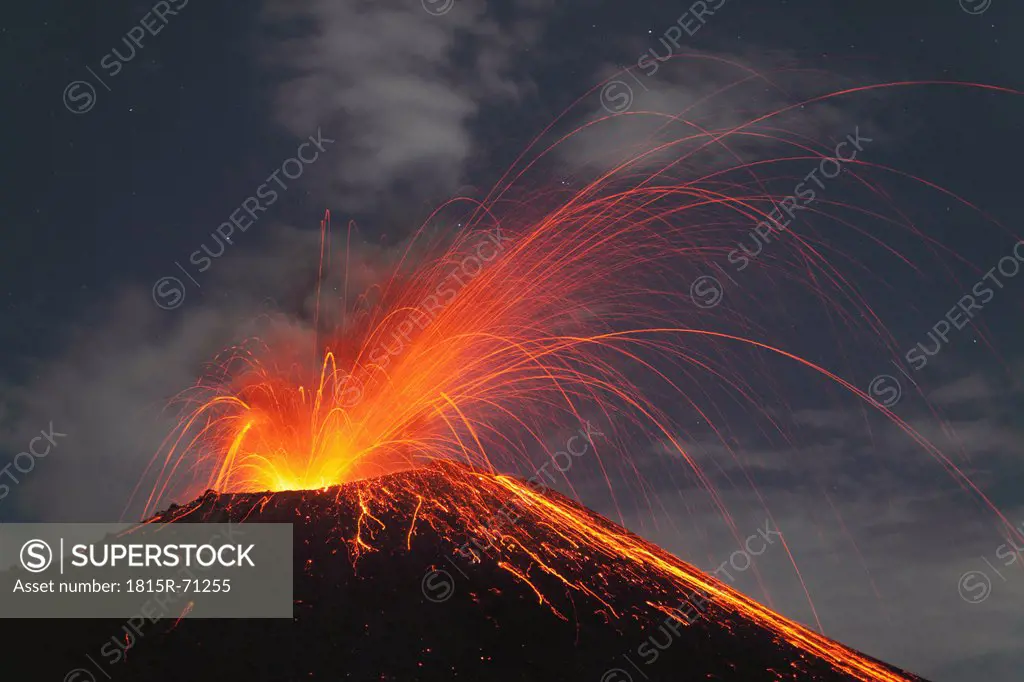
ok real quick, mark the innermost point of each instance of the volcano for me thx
(449, 573)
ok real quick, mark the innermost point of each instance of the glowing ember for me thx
(574, 562)
(487, 345)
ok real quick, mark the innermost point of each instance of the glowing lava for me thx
(542, 313)
(565, 558)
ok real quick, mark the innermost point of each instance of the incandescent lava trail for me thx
(544, 589)
(545, 309)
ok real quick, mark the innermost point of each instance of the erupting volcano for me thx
(446, 573)
(389, 430)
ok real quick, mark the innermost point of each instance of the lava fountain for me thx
(546, 310)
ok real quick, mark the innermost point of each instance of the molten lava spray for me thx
(549, 310)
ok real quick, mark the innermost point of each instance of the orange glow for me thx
(553, 548)
(537, 309)
(542, 313)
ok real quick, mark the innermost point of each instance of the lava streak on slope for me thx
(561, 589)
(544, 308)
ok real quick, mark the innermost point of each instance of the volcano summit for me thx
(447, 573)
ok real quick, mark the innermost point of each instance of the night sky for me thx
(117, 171)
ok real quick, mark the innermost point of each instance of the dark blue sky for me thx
(188, 125)
(98, 205)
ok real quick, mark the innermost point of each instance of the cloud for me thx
(705, 94)
(110, 386)
(399, 87)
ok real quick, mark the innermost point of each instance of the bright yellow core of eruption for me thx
(281, 469)
(272, 433)
(265, 472)
(422, 376)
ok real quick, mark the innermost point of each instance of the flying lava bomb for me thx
(403, 440)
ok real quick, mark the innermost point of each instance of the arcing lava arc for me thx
(450, 373)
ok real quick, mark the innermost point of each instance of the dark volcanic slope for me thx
(449, 574)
